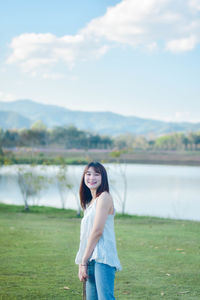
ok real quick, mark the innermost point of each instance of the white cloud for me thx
(194, 4)
(42, 51)
(141, 24)
(181, 116)
(182, 45)
(6, 96)
(28, 44)
(52, 76)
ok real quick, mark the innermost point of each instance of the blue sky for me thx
(133, 57)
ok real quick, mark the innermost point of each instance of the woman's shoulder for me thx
(105, 197)
(105, 200)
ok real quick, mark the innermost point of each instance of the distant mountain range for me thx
(23, 113)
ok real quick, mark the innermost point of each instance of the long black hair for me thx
(84, 191)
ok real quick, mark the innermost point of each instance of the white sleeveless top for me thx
(105, 250)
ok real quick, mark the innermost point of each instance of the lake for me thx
(152, 190)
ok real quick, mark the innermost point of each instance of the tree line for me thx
(172, 142)
(73, 138)
(66, 137)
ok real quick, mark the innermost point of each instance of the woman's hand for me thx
(82, 274)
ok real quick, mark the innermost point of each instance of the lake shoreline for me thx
(52, 156)
(72, 213)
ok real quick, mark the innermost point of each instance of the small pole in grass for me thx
(84, 290)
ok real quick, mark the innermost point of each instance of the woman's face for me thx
(92, 179)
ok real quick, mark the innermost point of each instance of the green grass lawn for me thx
(160, 257)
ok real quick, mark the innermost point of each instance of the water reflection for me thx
(155, 190)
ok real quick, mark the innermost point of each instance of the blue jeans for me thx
(100, 282)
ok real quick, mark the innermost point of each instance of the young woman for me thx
(97, 255)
